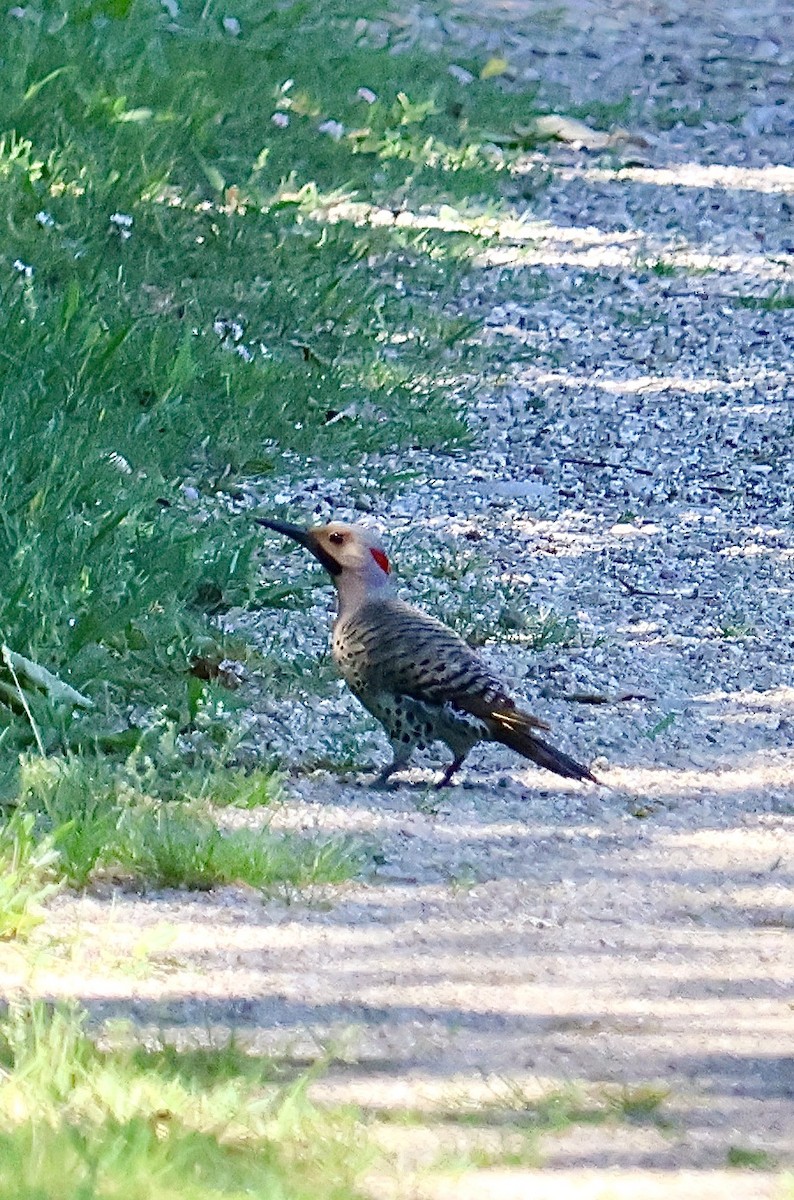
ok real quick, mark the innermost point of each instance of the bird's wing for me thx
(413, 654)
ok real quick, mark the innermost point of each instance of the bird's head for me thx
(348, 552)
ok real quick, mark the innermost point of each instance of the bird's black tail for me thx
(520, 738)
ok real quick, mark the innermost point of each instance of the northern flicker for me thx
(416, 676)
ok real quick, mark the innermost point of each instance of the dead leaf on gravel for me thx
(577, 133)
(495, 67)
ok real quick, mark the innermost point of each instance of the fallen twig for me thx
(41, 677)
(633, 590)
(586, 462)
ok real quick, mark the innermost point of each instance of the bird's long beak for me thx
(301, 536)
(304, 537)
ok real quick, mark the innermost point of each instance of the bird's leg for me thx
(383, 777)
(455, 765)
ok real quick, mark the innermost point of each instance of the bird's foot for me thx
(383, 781)
(446, 778)
(379, 784)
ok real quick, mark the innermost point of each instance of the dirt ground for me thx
(520, 934)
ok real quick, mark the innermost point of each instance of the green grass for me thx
(193, 295)
(640, 1103)
(481, 608)
(604, 114)
(659, 267)
(661, 726)
(513, 1106)
(177, 309)
(669, 116)
(754, 1160)
(184, 305)
(737, 625)
(81, 819)
(514, 620)
(510, 1128)
(779, 301)
(178, 848)
(82, 1123)
(27, 875)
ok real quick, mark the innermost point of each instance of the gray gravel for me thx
(521, 927)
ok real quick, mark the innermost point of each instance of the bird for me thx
(414, 674)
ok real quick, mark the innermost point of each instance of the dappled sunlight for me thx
(779, 699)
(355, 284)
(575, 533)
(640, 1183)
(754, 550)
(430, 941)
(652, 384)
(757, 849)
(766, 771)
(415, 824)
(517, 240)
(526, 242)
(771, 179)
(579, 534)
(499, 221)
(305, 980)
(769, 720)
(553, 252)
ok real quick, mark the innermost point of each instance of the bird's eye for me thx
(336, 538)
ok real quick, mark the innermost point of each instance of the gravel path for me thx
(522, 930)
